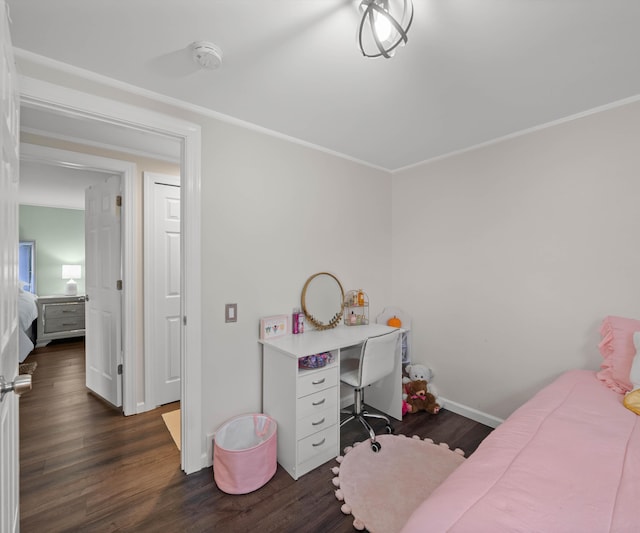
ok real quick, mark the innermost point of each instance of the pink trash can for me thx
(245, 453)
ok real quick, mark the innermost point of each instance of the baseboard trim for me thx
(473, 414)
(207, 459)
(469, 412)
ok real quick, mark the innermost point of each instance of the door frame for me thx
(69, 102)
(148, 181)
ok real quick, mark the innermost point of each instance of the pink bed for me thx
(566, 461)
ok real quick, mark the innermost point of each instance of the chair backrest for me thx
(378, 357)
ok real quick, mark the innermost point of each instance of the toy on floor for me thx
(419, 399)
(421, 372)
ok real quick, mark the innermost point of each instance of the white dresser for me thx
(306, 402)
(59, 317)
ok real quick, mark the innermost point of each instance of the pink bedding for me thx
(566, 461)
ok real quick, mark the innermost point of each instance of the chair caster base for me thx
(376, 447)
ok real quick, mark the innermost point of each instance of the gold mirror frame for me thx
(314, 321)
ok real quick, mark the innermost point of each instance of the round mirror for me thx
(323, 300)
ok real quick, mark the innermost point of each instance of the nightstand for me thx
(59, 317)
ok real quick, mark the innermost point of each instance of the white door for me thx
(162, 286)
(9, 465)
(103, 310)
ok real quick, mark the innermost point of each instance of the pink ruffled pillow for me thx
(618, 351)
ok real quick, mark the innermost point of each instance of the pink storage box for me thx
(245, 453)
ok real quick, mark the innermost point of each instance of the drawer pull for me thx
(318, 381)
(319, 402)
(318, 422)
(315, 444)
(68, 323)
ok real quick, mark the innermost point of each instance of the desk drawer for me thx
(55, 325)
(318, 402)
(317, 381)
(316, 422)
(317, 444)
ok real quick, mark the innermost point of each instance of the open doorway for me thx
(51, 216)
(71, 105)
(59, 208)
(61, 190)
(92, 192)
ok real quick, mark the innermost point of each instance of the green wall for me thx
(59, 237)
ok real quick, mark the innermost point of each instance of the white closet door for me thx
(162, 285)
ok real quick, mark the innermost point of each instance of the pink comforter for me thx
(566, 461)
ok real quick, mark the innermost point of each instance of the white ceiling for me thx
(473, 70)
(43, 184)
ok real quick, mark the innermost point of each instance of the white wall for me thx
(509, 256)
(54, 186)
(274, 213)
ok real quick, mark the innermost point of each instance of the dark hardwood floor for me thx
(85, 467)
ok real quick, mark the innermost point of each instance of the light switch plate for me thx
(231, 313)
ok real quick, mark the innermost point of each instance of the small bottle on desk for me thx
(294, 321)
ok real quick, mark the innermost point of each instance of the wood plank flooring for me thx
(85, 467)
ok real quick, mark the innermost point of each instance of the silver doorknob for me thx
(20, 385)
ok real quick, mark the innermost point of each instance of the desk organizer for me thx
(356, 308)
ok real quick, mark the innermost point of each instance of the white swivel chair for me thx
(377, 360)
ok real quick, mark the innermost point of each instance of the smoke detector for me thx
(206, 54)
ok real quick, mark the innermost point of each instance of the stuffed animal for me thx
(417, 372)
(418, 399)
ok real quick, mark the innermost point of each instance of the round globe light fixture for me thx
(384, 26)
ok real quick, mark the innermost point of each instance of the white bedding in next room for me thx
(27, 313)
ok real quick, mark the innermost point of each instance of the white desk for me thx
(306, 403)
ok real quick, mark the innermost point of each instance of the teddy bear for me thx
(418, 399)
(418, 372)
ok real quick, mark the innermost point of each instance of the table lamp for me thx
(71, 272)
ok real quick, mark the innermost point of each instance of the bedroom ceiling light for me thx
(384, 26)
(71, 272)
(206, 54)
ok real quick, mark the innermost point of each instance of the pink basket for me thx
(245, 453)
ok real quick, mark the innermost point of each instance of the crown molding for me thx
(521, 133)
